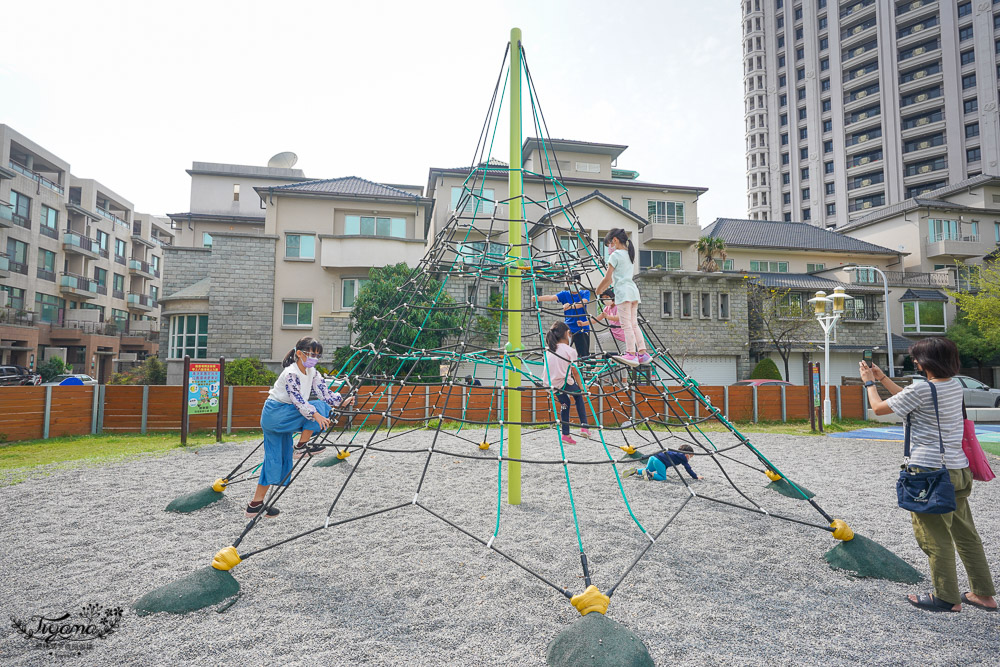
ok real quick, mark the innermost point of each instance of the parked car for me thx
(761, 383)
(85, 379)
(977, 394)
(18, 376)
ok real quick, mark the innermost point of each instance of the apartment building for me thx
(255, 292)
(79, 267)
(943, 237)
(858, 105)
(223, 198)
(798, 259)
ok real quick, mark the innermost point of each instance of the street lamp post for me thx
(888, 319)
(828, 322)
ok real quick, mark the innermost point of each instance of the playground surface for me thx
(721, 586)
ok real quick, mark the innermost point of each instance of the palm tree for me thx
(708, 248)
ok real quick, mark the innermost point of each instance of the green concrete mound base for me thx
(595, 640)
(195, 500)
(328, 461)
(869, 559)
(784, 488)
(202, 588)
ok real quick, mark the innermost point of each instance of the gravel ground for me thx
(722, 586)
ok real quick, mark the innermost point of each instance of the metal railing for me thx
(664, 219)
(78, 282)
(17, 316)
(139, 265)
(51, 232)
(17, 267)
(21, 220)
(904, 279)
(111, 216)
(35, 176)
(120, 260)
(118, 294)
(45, 274)
(948, 236)
(868, 314)
(141, 300)
(160, 242)
(81, 242)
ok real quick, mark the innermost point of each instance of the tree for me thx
(766, 369)
(53, 367)
(420, 323)
(150, 371)
(982, 307)
(249, 372)
(972, 343)
(708, 248)
(776, 317)
(488, 325)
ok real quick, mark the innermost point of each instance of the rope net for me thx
(448, 320)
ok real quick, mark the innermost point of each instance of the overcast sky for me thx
(130, 93)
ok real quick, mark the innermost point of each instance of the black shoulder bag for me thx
(925, 492)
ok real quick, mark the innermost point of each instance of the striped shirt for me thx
(915, 401)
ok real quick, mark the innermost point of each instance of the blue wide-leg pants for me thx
(656, 468)
(279, 422)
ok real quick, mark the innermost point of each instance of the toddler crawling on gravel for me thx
(657, 464)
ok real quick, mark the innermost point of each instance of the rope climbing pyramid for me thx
(407, 378)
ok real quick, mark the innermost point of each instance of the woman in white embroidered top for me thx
(286, 411)
(939, 535)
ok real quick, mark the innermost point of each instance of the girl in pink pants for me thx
(621, 266)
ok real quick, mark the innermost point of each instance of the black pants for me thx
(564, 398)
(581, 341)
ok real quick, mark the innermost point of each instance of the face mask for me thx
(310, 362)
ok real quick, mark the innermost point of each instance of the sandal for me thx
(930, 603)
(966, 600)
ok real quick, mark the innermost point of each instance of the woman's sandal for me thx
(931, 603)
(966, 600)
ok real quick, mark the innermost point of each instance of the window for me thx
(790, 305)
(236, 191)
(723, 306)
(781, 58)
(924, 119)
(761, 266)
(824, 65)
(786, 199)
(919, 26)
(351, 288)
(206, 240)
(668, 212)
(805, 194)
(154, 291)
(666, 304)
(973, 154)
(968, 57)
(784, 158)
(781, 41)
(824, 43)
(50, 221)
(971, 106)
(784, 119)
(920, 143)
(920, 73)
(798, 13)
(483, 201)
(917, 190)
(969, 81)
(828, 167)
(923, 317)
(46, 264)
(121, 248)
(803, 133)
(864, 180)
(822, 23)
(971, 130)
(864, 158)
(21, 208)
(831, 209)
(926, 166)
(861, 93)
(727, 265)
(918, 50)
(15, 296)
(103, 240)
(785, 178)
(48, 307)
(17, 253)
(826, 105)
(121, 317)
(686, 304)
(783, 100)
(300, 246)
(780, 23)
(863, 203)
(297, 313)
(662, 259)
(784, 138)
(965, 33)
(627, 203)
(804, 153)
(800, 95)
(706, 305)
(996, 232)
(798, 34)
(782, 80)
(188, 335)
(810, 268)
(830, 188)
(366, 225)
(154, 262)
(828, 146)
(804, 173)
(807, 214)
(824, 85)
(964, 9)
(862, 137)
(101, 276)
(118, 285)
(589, 167)
(828, 125)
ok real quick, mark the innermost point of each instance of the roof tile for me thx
(789, 235)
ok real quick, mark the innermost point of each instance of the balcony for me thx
(112, 217)
(45, 274)
(14, 267)
(666, 233)
(905, 279)
(6, 216)
(4, 266)
(16, 317)
(80, 245)
(118, 294)
(120, 259)
(21, 220)
(35, 176)
(867, 314)
(955, 246)
(160, 242)
(141, 302)
(75, 330)
(137, 267)
(80, 286)
(51, 232)
(350, 250)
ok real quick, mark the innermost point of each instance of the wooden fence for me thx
(30, 413)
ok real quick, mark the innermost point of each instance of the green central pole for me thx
(516, 183)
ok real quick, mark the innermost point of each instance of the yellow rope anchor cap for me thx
(841, 530)
(219, 485)
(591, 600)
(771, 475)
(484, 445)
(628, 449)
(343, 455)
(226, 559)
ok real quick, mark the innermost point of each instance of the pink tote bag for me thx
(981, 471)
